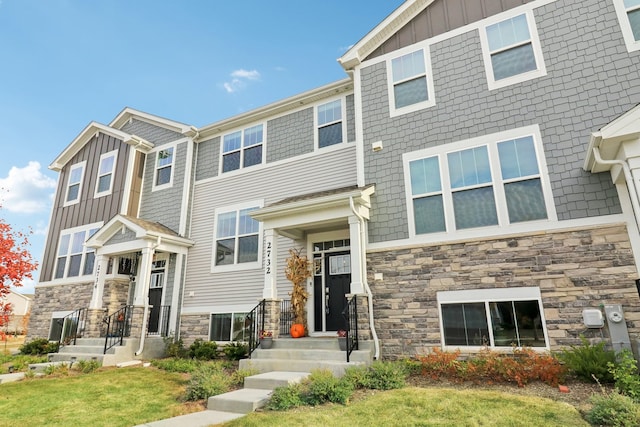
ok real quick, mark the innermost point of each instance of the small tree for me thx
(297, 271)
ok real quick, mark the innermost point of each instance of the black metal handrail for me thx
(256, 325)
(162, 327)
(286, 317)
(350, 314)
(118, 326)
(72, 327)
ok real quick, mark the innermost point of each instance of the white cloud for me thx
(27, 190)
(239, 79)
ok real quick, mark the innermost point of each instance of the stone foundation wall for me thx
(194, 326)
(115, 294)
(574, 270)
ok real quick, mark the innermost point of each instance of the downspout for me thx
(146, 305)
(363, 275)
(632, 189)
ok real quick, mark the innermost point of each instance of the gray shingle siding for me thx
(291, 135)
(208, 158)
(127, 236)
(155, 134)
(590, 81)
(351, 119)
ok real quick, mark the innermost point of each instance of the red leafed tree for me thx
(16, 265)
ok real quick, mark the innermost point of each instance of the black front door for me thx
(155, 300)
(330, 290)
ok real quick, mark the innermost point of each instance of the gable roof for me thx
(89, 132)
(128, 114)
(143, 229)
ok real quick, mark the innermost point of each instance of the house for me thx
(20, 308)
(471, 183)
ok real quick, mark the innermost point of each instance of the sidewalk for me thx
(197, 419)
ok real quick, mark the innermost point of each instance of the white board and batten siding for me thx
(270, 183)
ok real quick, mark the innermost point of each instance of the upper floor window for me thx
(74, 184)
(242, 148)
(329, 122)
(411, 85)
(629, 16)
(73, 258)
(104, 184)
(237, 236)
(493, 183)
(512, 51)
(164, 168)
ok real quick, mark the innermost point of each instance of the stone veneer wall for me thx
(194, 326)
(48, 299)
(574, 269)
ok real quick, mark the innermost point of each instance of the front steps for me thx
(93, 349)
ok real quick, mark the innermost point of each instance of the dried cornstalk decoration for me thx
(297, 271)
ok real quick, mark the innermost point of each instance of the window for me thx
(512, 51)
(329, 122)
(229, 327)
(410, 85)
(73, 258)
(628, 12)
(470, 186)
(242, 148)
(164, 168)
(104, 184)
(74, 185)
(237, 237)
(492, 317)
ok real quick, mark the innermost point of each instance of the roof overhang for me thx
(89, 132)
(298, 216)
(129, 114)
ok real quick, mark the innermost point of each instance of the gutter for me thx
(146, 305)
(363, 275)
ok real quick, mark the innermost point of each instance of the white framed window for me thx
(628, 12)
(229, 327)
(164, 168)
(106, 168)
(494, 180)
(158, 269)
(73, 258)
(511, 50)
(493, 318)
(237, 239)
(74, 183)
(330, 124)
(242, 148)
(410, 82)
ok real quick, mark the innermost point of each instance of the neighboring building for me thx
(452, 182)
(20, 307)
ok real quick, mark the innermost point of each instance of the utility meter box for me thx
(617, 327)
(592, 318)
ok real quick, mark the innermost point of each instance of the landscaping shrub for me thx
(587, 360)
(438, 363)
(207, 380)
(613, 409)
(235, 351)
(285, 398)
(176, 365)
(322, 386)
(87, 366)
(625, 375)
(357, 376)
(39, 346)
(175, 348)
(203, 350)
(386, 375)
(238, 376)
(20, 362)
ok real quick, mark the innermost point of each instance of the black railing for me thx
(72, 327)
(350, 314)
(118, 326)
(256, 325)
(286, 317)
(159, 321)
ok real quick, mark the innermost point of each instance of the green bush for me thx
(176, 365)
(322, 386)
(238, 376)
(285, 398)
(207, 380)
(625, 374)
(613, 410)
(175, 348)
(20, 362)
(587, 361)
(87, 366)
(235, 351)
(39, 346)
(357, 376)
(203, 350)
(386, 375)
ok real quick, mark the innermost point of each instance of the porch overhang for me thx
(297, 216)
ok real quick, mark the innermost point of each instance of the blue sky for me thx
(65, 63)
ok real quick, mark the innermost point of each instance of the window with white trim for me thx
(73, 258)
(242, 148)
(106, 168)
(410, 82)
(473, 184)
(512, 51)
(492, 318)
(229, 327)
(163, 175)
(628, 12)
(330, 124)
(237, 236)
(74, 184)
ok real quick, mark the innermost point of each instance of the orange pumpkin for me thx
(297, 330)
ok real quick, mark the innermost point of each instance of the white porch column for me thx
(175, 300)
(357, 268)
(102, 262)
(143, 277)
(270, 290)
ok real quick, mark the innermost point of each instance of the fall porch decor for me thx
(297, 271)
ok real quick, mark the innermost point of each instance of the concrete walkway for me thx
(197, 419)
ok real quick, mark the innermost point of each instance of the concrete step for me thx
(306, 343)
(74, 357)
(86, 349)
(311, 354)
(41, 367)
(241, 401)
(269, 365)
(273, 380)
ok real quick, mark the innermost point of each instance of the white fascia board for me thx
(128, 113)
